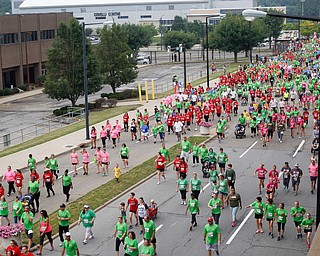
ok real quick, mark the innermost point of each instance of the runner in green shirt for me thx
(27, 221)
(149, 232)
(131, 244)
(222, 160)
(219, 129)
(17, 210)
(307, 225)
(63, 217)
(281, 215)
(258, 207)
(66, 184)
(53, 165)
(146, 249)
(195, 154)
(269, 211)
(215, 205)
(87, 218)
(297, 213)
(203, 150)
(182, 186)
(4, 212)
(70, 246)
(124, 155)
(34, 190)
(212, 236)
(120, 233)
(31, 163)
(196, 185)
(185, 148)
(165, 152)
(193, 206)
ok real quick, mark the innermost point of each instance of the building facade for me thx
(24, 41)
(125, 11)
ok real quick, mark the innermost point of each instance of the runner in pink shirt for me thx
(313, 171)
(85, 161)
(103, 136)
(261, 176)
(97, 158)
(118, 127)
(108, 129)
(105, 162)
(114, 136)
(74, 161)
(9, 175)
(264, 133)
(93, 137)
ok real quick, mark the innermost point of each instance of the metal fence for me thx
(50, 123)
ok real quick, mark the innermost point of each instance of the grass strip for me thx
(102, 194)
(94, 118)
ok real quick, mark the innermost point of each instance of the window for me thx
(79, 18)
(148, 8)
(16, 5)
(145, 16)
(11, 38)
(47, 34)
(100, 17)
(83, 10)
(29, 36)
(123, 17)
(171, 7)
(63, 10)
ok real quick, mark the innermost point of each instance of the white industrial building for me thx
(130, 11)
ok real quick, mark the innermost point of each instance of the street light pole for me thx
(207, 51)
(27, 60)
(184, 68)
(161, 32)
(85, 79)
(250, 41)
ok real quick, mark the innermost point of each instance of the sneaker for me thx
(272, 236)
(298, 236)
(312, 191)
(182, 203)
(191, 228)
(281, 236)
(257, 231)
(295, 193)
(60, 245)
(136, 224)
(233, 224)
(185, 203)
(91, 237)
(278, 238)
(84, 242)
(158, 182)
(130, 227)
(141, 232)
(164, 178)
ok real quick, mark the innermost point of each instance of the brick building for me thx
(24, 41)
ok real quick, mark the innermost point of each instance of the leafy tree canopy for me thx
(65, 65)
(174, 38)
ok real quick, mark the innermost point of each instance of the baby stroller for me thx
(240, 131)
(153, 210)
(26, 200)
(244, 101)
(206, 167)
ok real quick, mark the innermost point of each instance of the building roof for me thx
(30, 4)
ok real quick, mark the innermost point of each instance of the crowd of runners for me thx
(278, 95)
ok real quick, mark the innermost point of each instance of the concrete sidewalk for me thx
(20, 95)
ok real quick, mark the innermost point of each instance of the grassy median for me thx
(94, 118)
(102, 194)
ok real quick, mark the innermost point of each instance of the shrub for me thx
(111, 103)
(15, 90)
(23, 87)
(8, 91)
(100, 102)
(126, 94)
(1, 93)
(59, 112)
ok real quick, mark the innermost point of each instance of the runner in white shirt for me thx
(178, 129)
(143, 211)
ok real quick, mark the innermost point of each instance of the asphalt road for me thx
(174, 237)
(26, 112)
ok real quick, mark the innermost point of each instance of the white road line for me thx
(241, 225)
(157, 229)
(59, 177)
(245, 152)
(298, 149)
(205, 187)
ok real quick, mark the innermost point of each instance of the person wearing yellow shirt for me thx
(117, 172)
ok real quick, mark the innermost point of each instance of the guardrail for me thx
(49, 124)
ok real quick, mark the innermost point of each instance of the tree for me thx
(117, 65)
(139, 35)
(290, 26)
(307, 28)
(233, 34)
(65, 65)
(274, 26)
(89, 31)
(179, 24)
(5, 6)
(174, 38)
(198, 29)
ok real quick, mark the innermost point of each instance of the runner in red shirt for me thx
(176, 165)
(170, 122)
(18, 181)
(183, 167)
(188, 117)
(228, 112)
(133, 207)
(126, 122)
(198, 119)
(14, 248)
(218, 110)
(206, 113)
(160, 165)
(261, 176)
(48, 181)
(252, 95)
(315, 114)
(235, 107)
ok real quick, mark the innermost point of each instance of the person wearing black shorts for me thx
(258, 207)
(120, 233)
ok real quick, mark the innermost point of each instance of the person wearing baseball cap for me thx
(63, 217)
(296, 174)
(69, 246)
(27, 221)
(211, 237)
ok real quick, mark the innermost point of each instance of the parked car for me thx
(143, 60)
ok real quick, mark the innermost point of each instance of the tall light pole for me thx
(27, 60)
(259, 14)
(250, 20)
(161, 32)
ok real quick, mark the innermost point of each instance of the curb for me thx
(117, 197)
